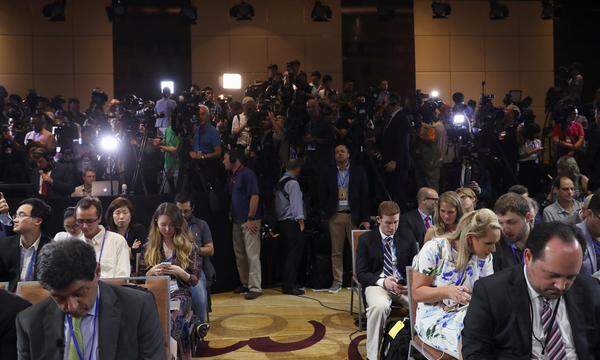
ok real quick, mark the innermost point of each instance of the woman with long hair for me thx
(445, 271)
(447, 213)
(171, 251)
(119, 219)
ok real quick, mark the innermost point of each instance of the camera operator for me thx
(383, 95)
(207, 148)
(593, 150)
(216, 112)
(319, 137)
(509, 149)
(315, 82)
(164, 108)
(426, 151)
(169, 146)
(240, 128)
(95, 116)
(575, 82)
(74, 113)
(348, 95)
(326, 90)
(460, 107)
(40, 134)
(568, 135)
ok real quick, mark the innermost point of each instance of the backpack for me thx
(280, 186)
(396, 340)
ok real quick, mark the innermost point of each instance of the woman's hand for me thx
(136, 245)
(156, 270)
(460, 294)
(177, 271)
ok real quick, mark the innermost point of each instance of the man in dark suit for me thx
(101, 321)
(544, 309)
(345, 201)
(11, 306)
(52, 179)
(468, 173)
(19, 252)
(383, 255)
(516, 219)
(415, 223)
(395, 149)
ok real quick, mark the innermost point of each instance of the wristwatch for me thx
(251, 218)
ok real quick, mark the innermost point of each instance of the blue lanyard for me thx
(74, 338)
(31, 267)
(513, 248)
(102, 245)
(343, 181)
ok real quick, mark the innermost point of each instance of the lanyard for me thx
(102, 246)
(514, 250)
(80, 354)
(31, 267)
(343, 180)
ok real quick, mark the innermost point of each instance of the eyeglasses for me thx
(432, 199)
(71, 227)
(20, 216)
(86, 221)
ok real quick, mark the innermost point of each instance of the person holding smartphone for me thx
(382, 257)
(445, 271)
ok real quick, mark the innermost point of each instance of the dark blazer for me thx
(503, 256)
(395, 140)
(11, 306)
(358, 193)
(128, 327)
(10, 259)
(452, 177)
(498, 323)
(369, 263)
(413, 226)
(63, 183)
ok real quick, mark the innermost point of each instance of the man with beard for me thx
(516, 219)
(543, 310)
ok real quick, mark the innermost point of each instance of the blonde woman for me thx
(445, 271)
(447, 213)
(170, 251)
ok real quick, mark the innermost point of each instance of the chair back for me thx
(412, 305)
(32, 291)
(356, 234)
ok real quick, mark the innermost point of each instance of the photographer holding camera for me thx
(240, 128)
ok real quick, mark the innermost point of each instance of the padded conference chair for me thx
(416, 343)
(355, 284)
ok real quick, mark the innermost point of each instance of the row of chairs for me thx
(33, 292)
(416, 343)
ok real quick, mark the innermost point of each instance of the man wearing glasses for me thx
(112, 251)
(590, 229)
(19, 252)
(417, 222)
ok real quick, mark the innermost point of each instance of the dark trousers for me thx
(293, 249)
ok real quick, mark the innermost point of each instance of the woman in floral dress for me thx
(445, 271)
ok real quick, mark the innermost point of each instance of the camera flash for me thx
(232, 81)
(435, 93)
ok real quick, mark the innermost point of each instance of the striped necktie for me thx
(555, 346)
(388, 263)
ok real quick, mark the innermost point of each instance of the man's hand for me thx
(475, 187)
(47, 178)
(4, 208)
(251, 226)
(301, 223)
(390, 283)
(365, 225)
(156, 142)
(390, 166)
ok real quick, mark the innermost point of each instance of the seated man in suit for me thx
(383, 255)
(516, 219)
(416, 222)
(18, 252)
(543, 310)
(51, 179)
(85, 318)
(590, 229)
(11, 306)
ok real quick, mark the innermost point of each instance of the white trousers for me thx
(379, 306)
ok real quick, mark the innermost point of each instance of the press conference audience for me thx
(171, 251)
(445, 271)
(11, 306)
(544, 309)
(119, 219)
(590, 231)
(382, 256)
(18, 253)
(416, 222)
(112, 252)
(345, 202)
(202, 237)
(448, 213)
(71, 226)
(565, 208)
(89, 176)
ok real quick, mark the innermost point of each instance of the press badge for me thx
(343, 196)
(173, 286)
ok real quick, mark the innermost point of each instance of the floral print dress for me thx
(439, 325)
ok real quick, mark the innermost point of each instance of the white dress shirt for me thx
(561, 317)
(115, 256)
(27, 257)
(63, 235)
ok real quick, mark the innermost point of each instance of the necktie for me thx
(79, 336)
(467, 179)
(555, 347)
(427, 222)
(388, 264)
(45, 187)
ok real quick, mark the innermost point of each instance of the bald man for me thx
(417, 221)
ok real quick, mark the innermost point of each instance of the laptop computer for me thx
(103, 188)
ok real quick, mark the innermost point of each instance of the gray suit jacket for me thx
(129, 327)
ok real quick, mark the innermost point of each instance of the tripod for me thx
(139, 157)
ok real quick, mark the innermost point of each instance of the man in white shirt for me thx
(546, 309)
(111, 248)
(89, 176)
(18, 252)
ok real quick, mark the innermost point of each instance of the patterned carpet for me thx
(278, 326)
